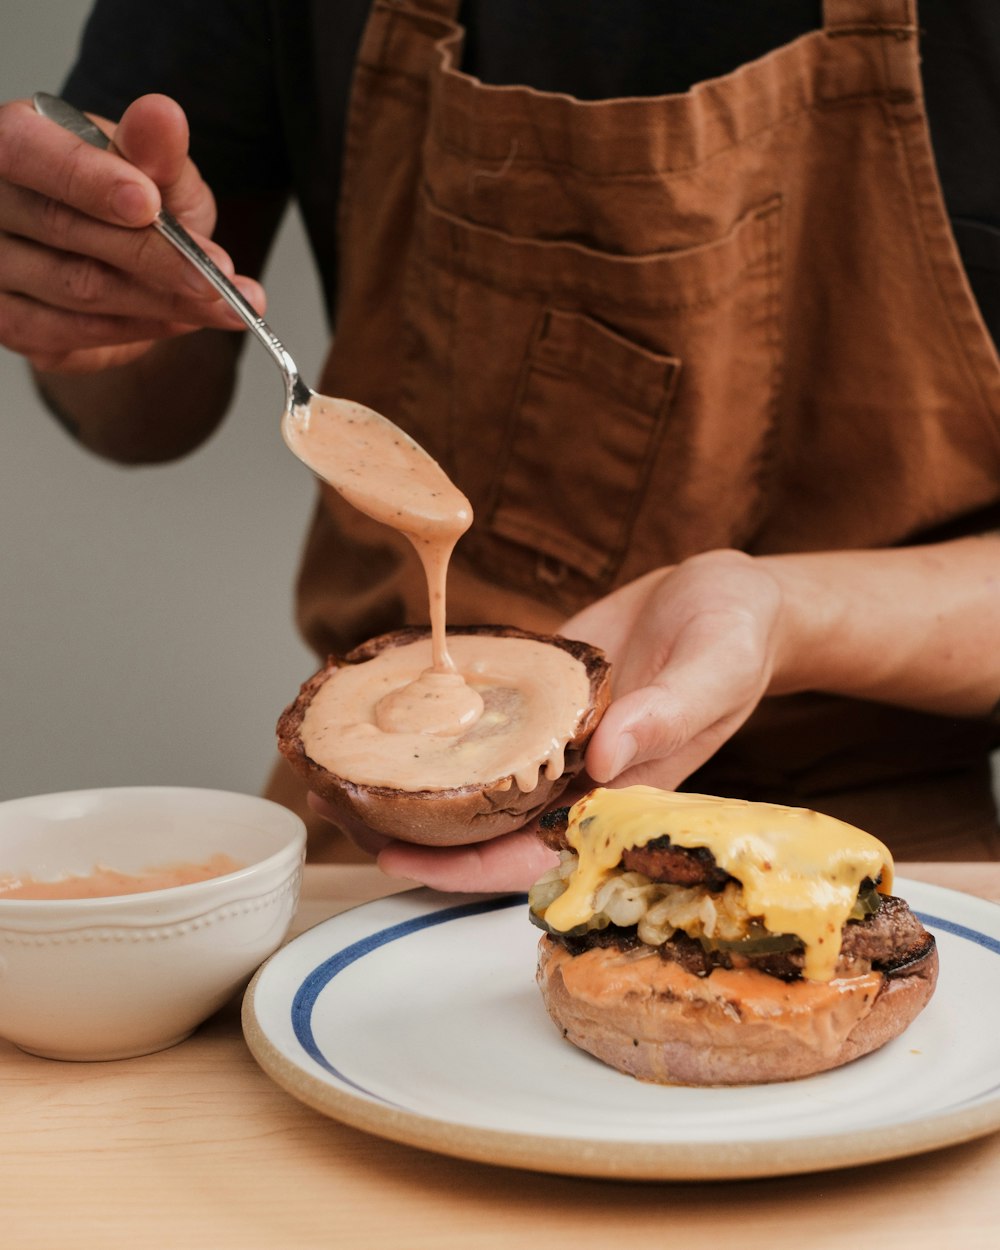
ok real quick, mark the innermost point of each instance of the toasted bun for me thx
(651, 1019)
(455, 816)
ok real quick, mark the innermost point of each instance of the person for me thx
(671, 290)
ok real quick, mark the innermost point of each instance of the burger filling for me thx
(680, 901)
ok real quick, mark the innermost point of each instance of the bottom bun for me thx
(649, 1018)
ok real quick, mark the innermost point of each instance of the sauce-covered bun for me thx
(703, 941)
(541, 699)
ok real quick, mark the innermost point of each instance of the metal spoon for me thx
(374, 464)
(371, 462)
(297, 393)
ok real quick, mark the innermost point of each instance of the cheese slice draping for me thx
(800, 870)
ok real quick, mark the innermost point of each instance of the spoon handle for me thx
(77, 123)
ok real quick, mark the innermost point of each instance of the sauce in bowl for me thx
(108, 882)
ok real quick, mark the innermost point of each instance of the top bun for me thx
(443, 817)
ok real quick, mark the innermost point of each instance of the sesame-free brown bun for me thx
(451, 817)
(656, 1021)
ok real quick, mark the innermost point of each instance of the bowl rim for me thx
(294, 846)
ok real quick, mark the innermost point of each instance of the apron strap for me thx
(869, 16)
(399, 35)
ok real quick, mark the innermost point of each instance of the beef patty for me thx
(888, 940)
(659, 860)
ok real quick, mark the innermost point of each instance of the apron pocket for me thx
(579, 376)
(604, 414)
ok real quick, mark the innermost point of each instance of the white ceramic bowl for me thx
(113, 977)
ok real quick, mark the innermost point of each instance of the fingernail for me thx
(130, 203)
(627, 750)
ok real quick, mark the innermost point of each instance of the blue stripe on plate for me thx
(321, 976)
(960, 930)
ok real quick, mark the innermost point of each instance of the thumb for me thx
(658, 735)
(641, 726)
(153, 135)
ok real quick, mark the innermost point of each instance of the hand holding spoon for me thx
(354, 438)
(375, 465)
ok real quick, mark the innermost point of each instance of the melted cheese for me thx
(800, 870)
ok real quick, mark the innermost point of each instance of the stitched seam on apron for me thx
(654, 172)
(776, 342)
(756, 253)
(609, 302)
(586, 289)
(389, 18)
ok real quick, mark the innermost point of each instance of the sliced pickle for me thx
(757, 942)
(578, 930)
(868, 901)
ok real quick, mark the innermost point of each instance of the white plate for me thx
(417, 1018)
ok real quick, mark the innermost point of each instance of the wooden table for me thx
(196, 1148)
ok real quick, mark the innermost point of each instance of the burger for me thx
(708, 941)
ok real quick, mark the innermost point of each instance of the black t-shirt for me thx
(265, 83)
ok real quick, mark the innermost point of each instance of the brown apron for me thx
(636, 329)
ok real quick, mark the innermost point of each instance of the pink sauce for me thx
(413, 718)
(107, 882)
(533, 696)
(383, 473)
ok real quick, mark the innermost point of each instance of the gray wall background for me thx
(146, 632)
